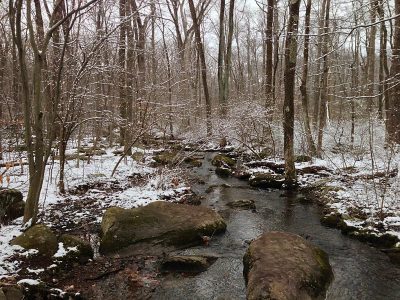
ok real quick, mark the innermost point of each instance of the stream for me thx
(360, 271)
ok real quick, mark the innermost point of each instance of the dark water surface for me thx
(361, 272)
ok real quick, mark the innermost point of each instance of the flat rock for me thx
(242, 204)
(267, 180)
(281, 265)
(187, 263)
(159, 223)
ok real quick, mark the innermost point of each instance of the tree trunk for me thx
(393, 126)
(200, 49)
(288, 105)
(269, 67)
(221, 56)
(324, 82)
(303, 86)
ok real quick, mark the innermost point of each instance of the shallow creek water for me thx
(361, 271)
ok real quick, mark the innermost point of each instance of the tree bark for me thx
(200, 49)
(288, 105)
(303, 86)
(393, 126)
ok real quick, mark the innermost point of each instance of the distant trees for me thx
(113, 69)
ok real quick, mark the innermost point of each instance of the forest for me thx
(199, 149)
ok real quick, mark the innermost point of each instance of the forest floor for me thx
(364, 192)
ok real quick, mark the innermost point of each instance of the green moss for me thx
(39, 237)
(165, 158)
(222, 160)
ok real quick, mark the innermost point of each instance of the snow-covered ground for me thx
(153, 185)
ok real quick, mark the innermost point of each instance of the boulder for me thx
(10, 292)
(165, 158)
(267, 180)
(39, 237)
(220, 160)
(83, 252)
(159, 223)
(242, 204)
(187, 263)
(223, 172)
(281, 265)
(11, 205)
(303, 158)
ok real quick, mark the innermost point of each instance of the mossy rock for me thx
(193, 161)
(137, 156)
(84, 250)
(242, 204)
(160, 223)
(303, 158)
(223, 172)
(267, 180)
(187, 263)
(39, 237)
(282, 265)
(266, 152)
(165, 158)
(11, 205)
(333, 220)
(223, 161)
(11, 292)
(383, 240)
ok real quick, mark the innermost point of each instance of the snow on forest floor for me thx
(90, 190)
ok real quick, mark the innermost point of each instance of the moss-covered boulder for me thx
(334, 220)
(220, 160)
(302, 158)
(282, 265)
(165, 158)
(267, 180)
(159, 223)
(83, 251)
(10, 292)
(39, 237)
(223, 172)
(11, 205)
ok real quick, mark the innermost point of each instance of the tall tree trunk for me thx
(228, 57)
(221, 57)
(200, 49)
(269, 66)
(122, 71)
(371, 56)
(383, 62)
(303, 86)
(288, 105)
(393, 126)
(317, 79)
(324, 82)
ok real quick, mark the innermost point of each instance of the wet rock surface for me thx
(281, 265)
(242, 204)
(266, 180)
(187, 263)
(159, 223)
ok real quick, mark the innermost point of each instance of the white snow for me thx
(29, 282)
(62, 251)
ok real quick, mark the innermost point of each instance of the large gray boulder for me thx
(160, 223)
(281, 265)
(11, 205)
